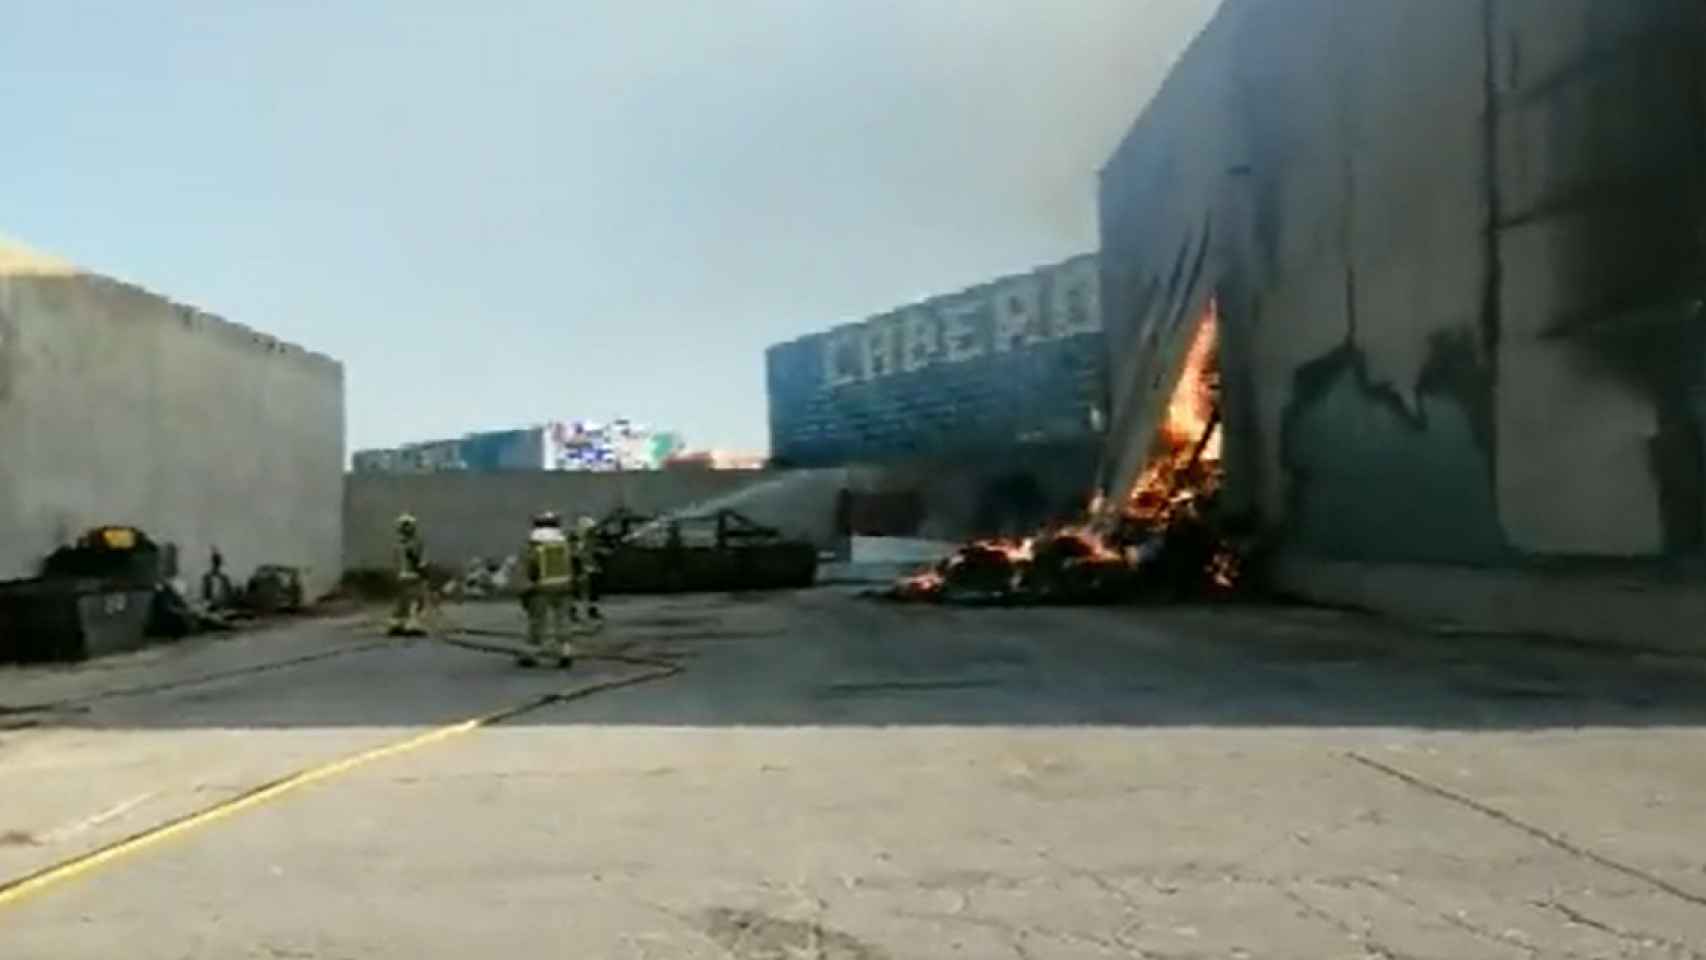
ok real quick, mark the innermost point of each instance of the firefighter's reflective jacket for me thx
(549, 559)
(586, 551)
(411, 557)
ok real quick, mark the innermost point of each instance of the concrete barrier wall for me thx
(119, 406)
(472, 514)
(1458, 252)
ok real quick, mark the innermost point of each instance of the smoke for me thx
(646, 195)
(886, 150)
(1040, 92)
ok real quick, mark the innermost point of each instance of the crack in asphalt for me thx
(1547, 837)
(1639, 938)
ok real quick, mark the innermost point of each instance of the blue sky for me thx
(503, 213)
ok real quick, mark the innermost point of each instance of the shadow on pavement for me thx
(822, 658)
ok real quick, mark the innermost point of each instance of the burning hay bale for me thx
(987, 570)
(1075, 566)
(1166, 540)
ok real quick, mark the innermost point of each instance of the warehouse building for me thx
(1014, 363)
(1455, 252)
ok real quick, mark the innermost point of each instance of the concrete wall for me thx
(119, 406)
(470, 514)
(1458, 250)
(466, 514)
(1599, 329)
(522, 449)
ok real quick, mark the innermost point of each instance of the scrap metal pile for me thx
(116, 589)
(715, 551)
(1165, 540)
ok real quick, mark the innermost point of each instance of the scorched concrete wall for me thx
(1457, 246)
(119, 406)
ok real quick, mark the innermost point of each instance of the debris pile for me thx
(274, 588)
(483, 577)
(719, 550)
(112, 589)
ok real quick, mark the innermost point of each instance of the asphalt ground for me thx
(816, 775)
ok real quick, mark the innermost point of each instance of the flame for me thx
(1188, 440)
(1092, 537)
(933, 580)
(1184, 468)
(924, 583)
(1192, 404)
(1017, 551)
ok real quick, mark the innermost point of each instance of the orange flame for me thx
(1184, 465)
(1192, 403)
(1163, 487)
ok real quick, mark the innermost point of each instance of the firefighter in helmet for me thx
(549, 591)
(588, 574)
(410, 563)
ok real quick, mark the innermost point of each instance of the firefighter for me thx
(411, 578)
(549, 590)
(589, 574)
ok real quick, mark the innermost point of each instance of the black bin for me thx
(66, 620)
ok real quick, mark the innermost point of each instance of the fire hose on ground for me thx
(79, 865)
(463, 637)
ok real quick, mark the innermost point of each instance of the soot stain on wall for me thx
(1592, 175)
(1492, 289)
(1370, 478)
(1660, 354)
(1630, 275)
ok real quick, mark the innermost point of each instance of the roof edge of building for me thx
(1050, 267)
(18, 260)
